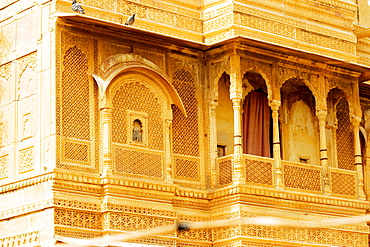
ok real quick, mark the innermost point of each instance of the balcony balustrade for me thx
(297, 177)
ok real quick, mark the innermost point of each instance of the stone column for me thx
(167, 150)
(321, 115)
(275, 105)
(366, 158)
(236, 92)
(239, 171)
(106, 114)
(358, 159)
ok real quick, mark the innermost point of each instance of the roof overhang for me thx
(165, 40)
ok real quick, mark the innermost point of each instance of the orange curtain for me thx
(256, 124)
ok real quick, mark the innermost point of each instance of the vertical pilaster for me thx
(275, 105)
(106, 113)
(321, 115)
(236, 97)
(358, 159)
(167, 151)
(213, 141)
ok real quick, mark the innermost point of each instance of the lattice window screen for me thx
(135, 94)
(137, 97)
(344, 137)
(77, 111)
(138, 162)
(185, 129)
(75, 95)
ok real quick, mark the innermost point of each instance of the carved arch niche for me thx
(299, 124)
(136, 103)
(339, 131)
(78, 109)
(224, 117)
(256, 115)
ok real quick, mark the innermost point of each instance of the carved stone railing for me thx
(302, 176)
(297, 177)
(224, 170)
(343, 182)
(258, 170)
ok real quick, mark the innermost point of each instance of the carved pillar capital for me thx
(321, 115)
(356, 120)
(275, 105)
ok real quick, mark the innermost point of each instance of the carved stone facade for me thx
(107, 128)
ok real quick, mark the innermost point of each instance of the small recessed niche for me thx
(221, 150)
(137, 128)
(137, 131)
(304, 160)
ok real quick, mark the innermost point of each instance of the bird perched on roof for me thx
(130, 20)
(77, 7)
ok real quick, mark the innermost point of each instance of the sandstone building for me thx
(201, 110)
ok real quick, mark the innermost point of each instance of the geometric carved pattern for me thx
(140, 210)
(3, 166)
(129, 222)
(300, 177)
(77, 234)
(135, 96)
(187, 168)
(199, 235)
(75, 95)
(304, 236)
(344, 136)
(154, 242)
(185, 129)
(225, 170)
(26, 159)
(139, 162)
(76, 151)
(24, 239)
(258, 171)
(76, 218)
(327, 237)
(343, 183)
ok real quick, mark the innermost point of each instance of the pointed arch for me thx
(341, 136)
(299, 123)
(265, 78)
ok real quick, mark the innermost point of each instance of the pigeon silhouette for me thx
(77, 7)
(130, 20)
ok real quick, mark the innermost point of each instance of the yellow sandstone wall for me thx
(66, 165)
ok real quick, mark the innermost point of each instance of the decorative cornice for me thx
(26, 209)
(26, 182)
(272, 197)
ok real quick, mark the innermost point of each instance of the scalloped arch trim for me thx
(115, 65)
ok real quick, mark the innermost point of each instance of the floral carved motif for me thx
(3, 166)
(26, 160)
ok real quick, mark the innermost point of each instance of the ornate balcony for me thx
(297, 178)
